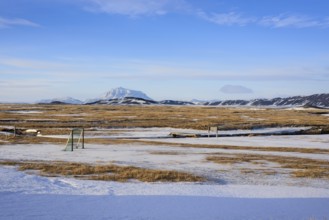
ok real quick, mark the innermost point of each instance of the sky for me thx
(169, 49)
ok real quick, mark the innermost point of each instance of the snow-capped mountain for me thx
(317, 100)
(124, 101)
(65, 100)
(122, 96)
(120, 93)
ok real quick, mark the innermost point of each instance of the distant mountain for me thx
(122, 96)
(317, 100)
(124, 101)
(174, 102)
(120, 93)
(65, 100)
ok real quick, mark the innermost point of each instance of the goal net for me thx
(75, 140)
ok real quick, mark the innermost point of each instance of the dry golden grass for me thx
(299, 167)
(104, 172)
(33, 140)
(57, 118)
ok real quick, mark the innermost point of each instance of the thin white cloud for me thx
(277, 21)
(235, 89)
(30, 64)
(5, 22)
(294, 21)
(25, 83)
(167, 71)
(227, 19)
(134, 7)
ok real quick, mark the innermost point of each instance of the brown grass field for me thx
(56, 119)
(60, 119)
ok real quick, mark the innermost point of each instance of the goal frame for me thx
(80, 139)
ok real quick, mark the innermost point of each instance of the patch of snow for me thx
(25, 112)
(296, 141)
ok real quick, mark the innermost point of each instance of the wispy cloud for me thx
(25, 83)
(29, 63)
(227, 19)
(5, 22)
(294, 21)
(276, 21)
(199, 71)
(235, 89)
(134, 7)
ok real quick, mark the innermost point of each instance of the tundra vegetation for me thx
(60, 119)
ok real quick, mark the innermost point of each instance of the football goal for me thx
(76, 139)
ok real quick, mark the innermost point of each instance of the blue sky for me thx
(170, 49)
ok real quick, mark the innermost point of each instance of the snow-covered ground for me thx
(26, 196)
(229, 194)
(296, 141)
(165, 132)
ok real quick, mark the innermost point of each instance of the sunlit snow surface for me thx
(24, 196)
(226, 196)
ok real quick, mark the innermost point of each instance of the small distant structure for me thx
(9, 130)
(13, 130)
(32, 132)
(213, 129)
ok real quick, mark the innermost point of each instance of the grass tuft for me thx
(105, 172)
(299, 167)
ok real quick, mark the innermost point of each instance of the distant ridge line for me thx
(311, 101)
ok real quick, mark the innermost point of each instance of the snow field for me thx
(228, 195)
(26, 196)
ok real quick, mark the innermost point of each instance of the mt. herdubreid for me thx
(122, 96)
(121, 93)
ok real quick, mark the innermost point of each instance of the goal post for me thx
(76, 139)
